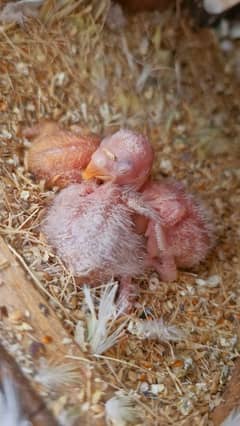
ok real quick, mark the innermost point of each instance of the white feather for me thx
(121, 410)
(67, 418)
(55, 376)
(233, 419)
(100, 334)
(19, 11)
(10, 407)
(218, 6)
(155, 329)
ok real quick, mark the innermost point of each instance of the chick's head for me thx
(124, 158)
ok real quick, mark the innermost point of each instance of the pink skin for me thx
(187, 229)
(92, 231)
(112, 230)
(56, 155)
(177, 227)
(124, 158)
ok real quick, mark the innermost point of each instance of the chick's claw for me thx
(127, 294)
(165, 266)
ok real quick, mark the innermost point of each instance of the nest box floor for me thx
(156, 74)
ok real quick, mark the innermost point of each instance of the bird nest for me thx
(154, 73)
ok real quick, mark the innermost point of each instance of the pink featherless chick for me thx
(57, 155)
(187, 231)
(91, 226)
(178, 227)
(124, 158)
(93, 232)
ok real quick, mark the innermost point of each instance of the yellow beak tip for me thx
(94, 172)
(86, 175)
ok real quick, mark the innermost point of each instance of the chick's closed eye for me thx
(110, 155)
(124, 166)
(99, 159)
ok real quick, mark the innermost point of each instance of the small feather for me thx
(121, 410)
(100, 334)
(155, 329)
(19, 11)
(55, 376)
(10, 407)
(68, 417)
(233, 419)
(115, 19)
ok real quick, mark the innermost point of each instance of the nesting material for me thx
(188, 105)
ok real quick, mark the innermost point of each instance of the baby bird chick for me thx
(93, 232)
(92, 227)
(187, 233)
(96, 233)
(178, 228)
(124, 158)
(57, 155)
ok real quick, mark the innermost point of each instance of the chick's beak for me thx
(92, 171)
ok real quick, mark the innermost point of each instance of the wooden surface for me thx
(32, 406)
(19, 295)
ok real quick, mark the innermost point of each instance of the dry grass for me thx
(159, 76)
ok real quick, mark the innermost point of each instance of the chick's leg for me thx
(127, 293)
(159, 257)
(165, 266)
(145, 217)
(157, 247)
(136, 203)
